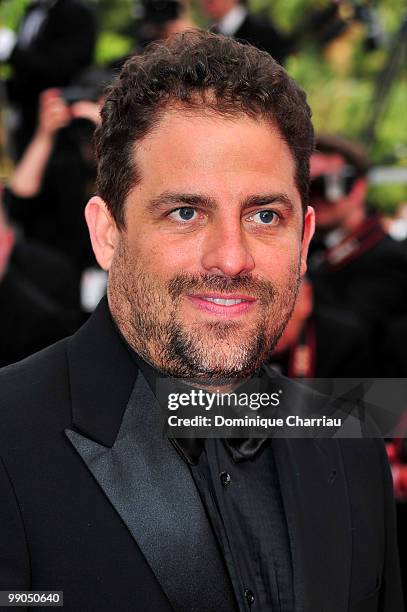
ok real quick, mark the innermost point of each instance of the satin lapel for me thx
(152, 490)
(315, 498)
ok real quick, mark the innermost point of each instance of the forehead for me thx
(210, 151)
(325, 163)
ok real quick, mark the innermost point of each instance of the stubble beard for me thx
(148, 316)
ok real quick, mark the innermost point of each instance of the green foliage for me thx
(391, 134)
(111, 46)
(116, 29)
(11, 12)
(387, 197)
(286, 14)
(115, 15)
(341, 100)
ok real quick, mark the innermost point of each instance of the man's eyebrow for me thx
(267, 199)
(168, 198)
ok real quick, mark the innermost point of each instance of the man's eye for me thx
(185, 213)
(265, 217)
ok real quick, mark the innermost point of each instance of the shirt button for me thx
(250, 598)
(224, 478)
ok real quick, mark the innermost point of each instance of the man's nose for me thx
(226, 251)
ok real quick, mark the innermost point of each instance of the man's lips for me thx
(222, 304)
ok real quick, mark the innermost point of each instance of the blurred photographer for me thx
(321, 342)
(354, 264)
(48, 189)
(55, 42)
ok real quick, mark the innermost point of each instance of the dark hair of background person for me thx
(196, 70)
(352, 152)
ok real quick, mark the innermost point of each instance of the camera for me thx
(76, 93)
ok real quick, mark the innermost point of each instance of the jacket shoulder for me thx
(34, 388)
(388, 252)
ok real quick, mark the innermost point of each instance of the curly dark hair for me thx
(197, 70)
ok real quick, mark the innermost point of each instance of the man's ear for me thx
(103, 231)
(309, 229)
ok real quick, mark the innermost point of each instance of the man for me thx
(54, 45)
(232, 18)
(355, 265)
(203, 224)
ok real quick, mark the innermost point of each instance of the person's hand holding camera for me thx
(85, 109)
(54, 113)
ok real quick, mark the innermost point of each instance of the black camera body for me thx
(76, 93)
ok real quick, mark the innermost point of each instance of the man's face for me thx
(205, 275)
(216, 9)
(328, 215)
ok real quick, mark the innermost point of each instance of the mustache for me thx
(264, 291)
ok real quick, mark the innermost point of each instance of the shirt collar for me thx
(334, 237)
(231, 22)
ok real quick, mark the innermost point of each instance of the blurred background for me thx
(57, 56)
(349, 56)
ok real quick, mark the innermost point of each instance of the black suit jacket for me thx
(97, 503)
(395, 349)
(29, 319)
(373, 285)
(62, 48)
(342, 345)
(49, 271)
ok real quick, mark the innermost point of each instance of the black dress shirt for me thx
(240, 491)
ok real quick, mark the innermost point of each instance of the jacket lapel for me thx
(315, 499)
(144, 478)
